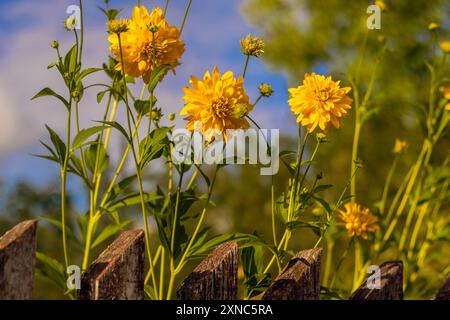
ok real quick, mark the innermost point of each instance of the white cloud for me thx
(23, 63)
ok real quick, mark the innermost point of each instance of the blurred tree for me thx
(328, 37)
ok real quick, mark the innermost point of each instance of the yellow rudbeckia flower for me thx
(357, 220)
(149, 41)
(319, 102)
(445, 46)
(216, 103)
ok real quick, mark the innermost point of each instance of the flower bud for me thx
(240, 110)
(55, 44)
(445, 91)
(171, 117)
(117, 26)
(70, 23)
(265, 90)
(153, 28)
(400, 146)
(445, 46)
(433, 26)
(156, 114)
(252, 46)
(381, 4)
(321, 137)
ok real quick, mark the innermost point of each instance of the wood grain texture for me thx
(444, 291)
(18, 261)
(118, 273)
(215, 278)
(391, 284)
(300, 279)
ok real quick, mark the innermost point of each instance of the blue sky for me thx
(27, 28)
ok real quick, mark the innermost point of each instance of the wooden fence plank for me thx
(300, 278)
(215, 278)
(391, 284)
(118, 273)
(444, 291)
(18, 261)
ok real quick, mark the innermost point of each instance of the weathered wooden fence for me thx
(118, 273)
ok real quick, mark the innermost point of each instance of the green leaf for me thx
(87, 72)
(257, 284)
(203, 175)
(324, 203)
(143, 106)
(84, 134)
(49, 92)
(70, 233)
(82, 222)
(118, 127)
(91, 158)
(52, 157)
(280, 209)
(201, 248)
(150, 292)
(156, 76)
(313, 225)
(330, 294)
(121, 187)
(152, 146)
(70, 59)
(50, 269)
(54, 63)
(129, 200)
(100, 95)
(109, 231)
(322, 188)
(59, 145)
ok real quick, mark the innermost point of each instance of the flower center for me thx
(220, 107)
(322, 94)
(148, 51)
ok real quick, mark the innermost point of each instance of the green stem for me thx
(245, 66)
(338, 265)
(409, 188)
(175, 271)
(272, 183)
(161, 274)
(193, 178)
(336, 206)
(185, 16)
(63, 187)
(81, 31)
(155, 261)
(326, 275)
(409, 217)
(138, 173)
(388, 184)
(358, 265)
(77, 120)
(398, 194)
(280, 245)
(355, 142)
(175, 219)
(165, 7)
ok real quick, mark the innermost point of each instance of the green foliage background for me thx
(304, 36)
